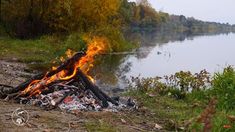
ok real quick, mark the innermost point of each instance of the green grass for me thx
(219, 121)
(224, 88)
(177, 111)
(168, 110)
(100, 126)
(27, 50)
(41, 51)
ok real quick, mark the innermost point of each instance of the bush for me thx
(75, 42)
(117, 42)
(224, 88)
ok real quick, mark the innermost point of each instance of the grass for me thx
(42, 51)
(100, 126)
(171, 112)
(183, 113)
(39, 53)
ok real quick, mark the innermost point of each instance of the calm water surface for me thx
(165, 54)
(205, 52)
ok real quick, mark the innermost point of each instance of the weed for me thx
(207, 115)
(224, 88)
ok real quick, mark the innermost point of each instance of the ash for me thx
(72, 98)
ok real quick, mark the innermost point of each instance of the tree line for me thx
(181, 23)
(30, 18)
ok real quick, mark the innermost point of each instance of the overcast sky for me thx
(208, 10)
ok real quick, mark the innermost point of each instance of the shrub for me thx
(75, 42)
(117, 42)
(224, 88)
(178, 85)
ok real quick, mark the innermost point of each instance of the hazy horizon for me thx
(206, 10)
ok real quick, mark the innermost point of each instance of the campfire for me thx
(68, 86)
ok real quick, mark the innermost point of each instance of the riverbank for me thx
(164, 106)
(41, 120)
(168, 109)
(190, 102)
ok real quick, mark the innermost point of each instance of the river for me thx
(165, 54)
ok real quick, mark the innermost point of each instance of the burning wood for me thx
(68, 86)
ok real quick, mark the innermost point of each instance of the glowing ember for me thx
(95, 47)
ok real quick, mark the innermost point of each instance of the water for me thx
(166, 53)
(206, 52)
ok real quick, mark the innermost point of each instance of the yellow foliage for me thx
(95, 12)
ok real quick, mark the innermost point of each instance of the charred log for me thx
(98, 93)
(23, 85)
(66, 64)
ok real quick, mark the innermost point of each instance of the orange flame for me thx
(95, 47)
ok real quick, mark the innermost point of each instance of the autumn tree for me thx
(23, 17)
(126, 11)
(80, 15)
(27, 17)
(146, 16)
(0, 10)
(95, 13)
(143, 3)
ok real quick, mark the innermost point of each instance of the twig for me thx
(4, 85)
(66, 86)
(134, 127)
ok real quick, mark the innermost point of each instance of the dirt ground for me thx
(13, 73)
(39, 120)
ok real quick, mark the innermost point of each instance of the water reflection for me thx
(110, 72)
(163, 53)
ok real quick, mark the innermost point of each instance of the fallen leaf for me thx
(123, 121)
(227, 126)
(195, 105)
(158, 126)
(231, 118)
(151, 95)
(182, 128)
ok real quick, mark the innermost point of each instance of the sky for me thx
(208, 10)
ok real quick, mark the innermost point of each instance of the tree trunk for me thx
(0, 11)
(30, 18)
